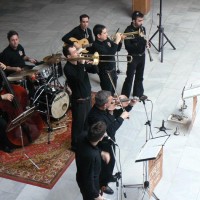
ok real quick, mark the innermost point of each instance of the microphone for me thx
(144, 98)
(109, 138)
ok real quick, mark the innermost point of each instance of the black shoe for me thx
(107, 190)
(8, 149)
(113, 178)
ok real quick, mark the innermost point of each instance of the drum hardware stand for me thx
(48, 120)
(17, 122)
(160, 31)
(55, 75)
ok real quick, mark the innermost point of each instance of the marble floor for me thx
(41, 24)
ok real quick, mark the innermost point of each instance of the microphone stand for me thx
(119, 172)
(145, 185)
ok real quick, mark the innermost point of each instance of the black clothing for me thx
(113, 123)
(79, 83)
(136, 48)
(13, 57)
(88, 162)
(106, 47)
(79, 34)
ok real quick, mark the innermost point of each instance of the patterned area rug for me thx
(51, 159)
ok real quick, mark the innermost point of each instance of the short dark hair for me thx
(83, 16)
(97, 131)
(11, 33)
(98, 28)
(137, 14)
(66, 49)
(101, 97)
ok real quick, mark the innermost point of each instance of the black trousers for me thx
(79, 116)
(107, 169)
(137, 67)
(86, 192)
(106, 83)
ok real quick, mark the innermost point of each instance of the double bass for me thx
(31, 128)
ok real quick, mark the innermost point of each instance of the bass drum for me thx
(58, 102)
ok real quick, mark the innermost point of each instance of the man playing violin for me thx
(113, 119)
(136, 48)
(4, 142)
(76, 72)
(80, 32)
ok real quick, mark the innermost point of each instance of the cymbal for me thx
(53, 59)
(23, 73)
(40, 67)
(11, 79)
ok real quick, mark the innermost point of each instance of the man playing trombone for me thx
(136, 48)
(106, 49)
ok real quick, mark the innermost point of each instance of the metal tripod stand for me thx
(161, 36)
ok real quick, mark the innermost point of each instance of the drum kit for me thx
(49, 94)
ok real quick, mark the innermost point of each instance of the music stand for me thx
(161, 36)
(149, 151)
(18, 122)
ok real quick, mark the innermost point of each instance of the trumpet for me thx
(129, 35)
(96, 58)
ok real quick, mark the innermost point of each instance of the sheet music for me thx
(151, 149)
(191, 92)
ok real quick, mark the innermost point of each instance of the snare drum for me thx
(44, 71)
(58, 102)
(17, 81)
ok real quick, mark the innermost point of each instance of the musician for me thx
(104, 46)
(113, 119)
(136, 48)
(88, 161)
(76, 73)
(4, 143)
(80, 32)
(14, 56)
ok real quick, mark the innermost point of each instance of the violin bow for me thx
(118, 98)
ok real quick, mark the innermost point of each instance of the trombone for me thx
(96, 58)
(129, 35)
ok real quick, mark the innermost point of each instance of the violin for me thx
(122, 102)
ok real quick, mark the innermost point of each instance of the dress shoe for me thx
(107, 190)
(113, 178)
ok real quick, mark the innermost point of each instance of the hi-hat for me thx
(26, 72)
(53, 59)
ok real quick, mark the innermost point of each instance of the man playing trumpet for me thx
(136, 48)
(104, 46)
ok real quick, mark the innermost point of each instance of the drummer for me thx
(14, 57)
